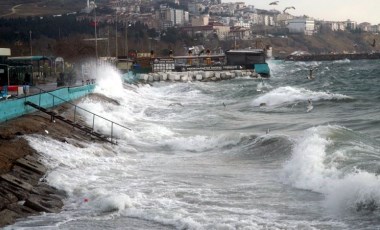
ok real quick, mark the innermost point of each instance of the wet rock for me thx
(16, 181)
(35, 166)
(43, 203)
(8, 217)
(21, 210)
(46, 190)
(20, 193)
(25, 174)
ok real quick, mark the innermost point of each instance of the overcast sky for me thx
(328, 10)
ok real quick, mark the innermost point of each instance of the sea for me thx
(283, 152)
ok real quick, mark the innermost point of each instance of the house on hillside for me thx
(301, 26)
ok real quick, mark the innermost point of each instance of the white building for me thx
(351, 25)
(171, 17)
(202, 20)
(301, 26)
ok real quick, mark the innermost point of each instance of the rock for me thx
(16, 181)
(8, 217)
(198, 77)
(46, 190)
(22, 210)
(43, 203)
(30, 165)
(25, 175)
(20, 193)
(12, 198)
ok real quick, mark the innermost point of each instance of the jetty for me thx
(332, 57)
(203, 76)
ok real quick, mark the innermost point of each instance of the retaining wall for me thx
(13, 108)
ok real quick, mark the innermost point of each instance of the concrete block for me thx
(209, 74)
(150, 78)
(171, 77)
(184, 78)
(156, 77)
(177, 77)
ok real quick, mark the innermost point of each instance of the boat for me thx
(236, 59)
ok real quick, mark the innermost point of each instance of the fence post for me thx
(111, 131)
(93, 121)
(75, 111)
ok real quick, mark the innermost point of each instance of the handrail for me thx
(75, 109)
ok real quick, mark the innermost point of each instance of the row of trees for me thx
(66, 36)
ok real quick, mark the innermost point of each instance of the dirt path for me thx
(13, 11)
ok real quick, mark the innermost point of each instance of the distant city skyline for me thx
(328, 10)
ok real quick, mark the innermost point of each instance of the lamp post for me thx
(30, 42)
(126, 39)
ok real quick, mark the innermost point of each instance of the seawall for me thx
(13, 108)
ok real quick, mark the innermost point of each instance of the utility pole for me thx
(117, 52)
(96, 35)
(126, 40)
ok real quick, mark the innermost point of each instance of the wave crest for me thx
(288, 95)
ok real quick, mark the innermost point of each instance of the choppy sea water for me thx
(237, 154)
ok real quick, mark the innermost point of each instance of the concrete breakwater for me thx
(332, 57)
(203, 76)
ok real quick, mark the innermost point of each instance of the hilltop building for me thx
(301, 26)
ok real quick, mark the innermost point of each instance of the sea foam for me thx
(288, 95)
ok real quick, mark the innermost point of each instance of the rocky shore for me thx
(23, 190)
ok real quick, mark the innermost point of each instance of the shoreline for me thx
(23, 190)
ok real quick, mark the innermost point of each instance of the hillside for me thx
(24, 8)
(337, 42)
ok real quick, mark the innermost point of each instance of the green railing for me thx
(56, 100)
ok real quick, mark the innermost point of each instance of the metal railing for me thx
(75, 111)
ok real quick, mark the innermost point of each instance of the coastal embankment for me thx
(23, 190)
